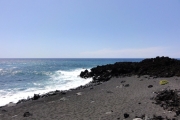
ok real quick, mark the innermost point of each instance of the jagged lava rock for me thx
(156, 67)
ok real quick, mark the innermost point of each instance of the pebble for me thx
(109, 91)
(126, 115)
(11, 104)
(110, 112)
(14, 116)
(123, 81)
(27, 114)
(127, 85)
(63, 99)
(92, 101)
(119, 86)
(79, 93)
(137, 119)
(150, 86)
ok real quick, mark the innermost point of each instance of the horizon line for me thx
(84, 57)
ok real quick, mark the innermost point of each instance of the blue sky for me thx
(89, 28)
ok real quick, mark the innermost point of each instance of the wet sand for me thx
(107, 101)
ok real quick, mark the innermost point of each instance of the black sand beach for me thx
(108, 101)
(119, 98)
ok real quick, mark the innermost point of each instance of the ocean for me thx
(22, 78)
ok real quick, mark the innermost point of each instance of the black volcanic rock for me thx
(156, 67)
(36, 96)
(160, 67)
(126, 115)
(27, 114)
(169, 100)
(84, 74)
(150, 86)
(127, 85)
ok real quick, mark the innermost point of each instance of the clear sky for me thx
(89, 28)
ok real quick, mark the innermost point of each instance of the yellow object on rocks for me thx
(163, 82)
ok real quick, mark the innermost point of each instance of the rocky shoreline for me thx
(156, 67)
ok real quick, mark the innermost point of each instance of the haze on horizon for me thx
(89, 28)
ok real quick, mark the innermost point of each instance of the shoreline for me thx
(123, 90)
(98, 101)
(52, 93)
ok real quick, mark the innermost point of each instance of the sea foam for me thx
(59, 80)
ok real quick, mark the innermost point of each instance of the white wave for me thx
(65, 80)
(10, 71)
(47, 73)
(37, 84)
(15, 96)
(16, 72)
(60, 80)
(42, 73)
(3, 72)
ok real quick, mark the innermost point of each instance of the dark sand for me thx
(108, 101)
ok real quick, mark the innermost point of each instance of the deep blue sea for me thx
(22, 78)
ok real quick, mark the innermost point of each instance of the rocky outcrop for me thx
(156, 67)
(160, 67)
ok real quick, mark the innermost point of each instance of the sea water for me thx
(22, 78)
